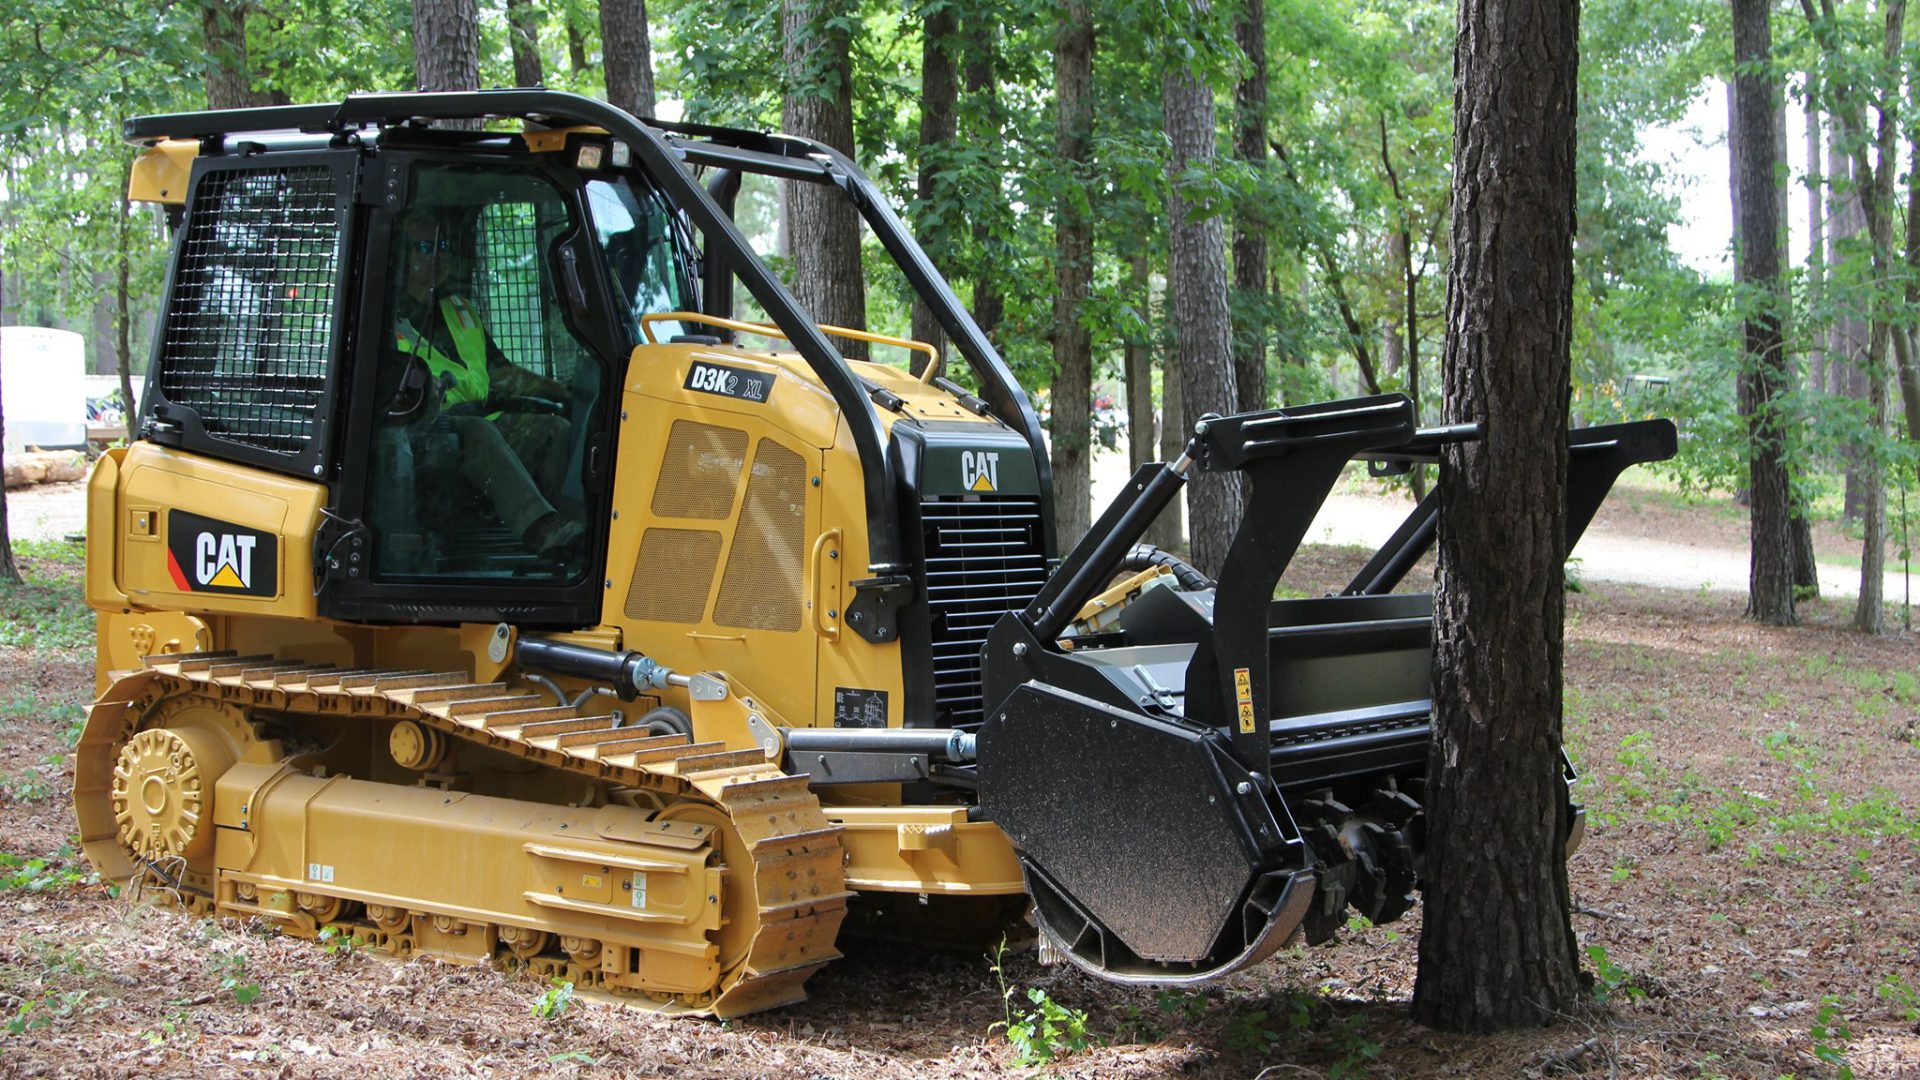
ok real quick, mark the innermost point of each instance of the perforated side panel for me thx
(766, 575)
(673, 575)
(699, 470)
(250, 323)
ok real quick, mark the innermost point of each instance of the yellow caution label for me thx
(589, 881)
(1243, 695)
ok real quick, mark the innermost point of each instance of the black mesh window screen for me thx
(249, 327)
(507, 285)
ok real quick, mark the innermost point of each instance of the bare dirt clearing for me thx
(1749, 892)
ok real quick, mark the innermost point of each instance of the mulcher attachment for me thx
(1224, 770)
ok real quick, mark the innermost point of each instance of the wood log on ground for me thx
(44, 467)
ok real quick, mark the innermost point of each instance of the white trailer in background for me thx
(43, 383)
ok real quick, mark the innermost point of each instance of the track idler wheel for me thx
(163, 792)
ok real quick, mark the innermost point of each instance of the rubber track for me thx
(798, 861)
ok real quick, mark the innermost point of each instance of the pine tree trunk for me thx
(576, 45)
(1169, 530)
(446, 49)
(1197, 277)
(939, 98)
(230, 73)
(1763, 370)
(1496, 947)
(1072, 393)
(627, 55)
(822, 227)
(122, 297)
(1816, 247)
(1142, 446)
(9, 570)
(983, 114)
(523, 34)
(1249, 226)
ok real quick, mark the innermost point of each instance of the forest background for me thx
(1036, 148)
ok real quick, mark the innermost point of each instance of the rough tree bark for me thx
(822, 227)
(1816, 241)
(230, 74)
(523, 36)
(1249, 225)
(1763, 370)
(939, 98)
(983, 130)
(1138, 359)
(1874, 190)
(1070, 425)
(1197, 276)
(9, 570)
(446, 45)
(627, 55)
(576, 44)
(1496, 947)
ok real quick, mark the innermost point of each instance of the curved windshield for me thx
(636, 236)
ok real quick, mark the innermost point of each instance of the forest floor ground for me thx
(1747, 899)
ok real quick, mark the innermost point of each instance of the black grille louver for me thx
(984, 558)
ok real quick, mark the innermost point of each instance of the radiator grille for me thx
(699, 471)
(672, 575)
(250, 324)
(984, 558)
(766, 574)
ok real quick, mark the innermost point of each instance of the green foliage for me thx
(45, 610)
(1832, 1035)
(233, 977)
(1610, 981)
(554, 1001)
(1043, 1033)
(40, 874)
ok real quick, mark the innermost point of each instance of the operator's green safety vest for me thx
(469, 372)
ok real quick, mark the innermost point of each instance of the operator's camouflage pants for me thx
(516, 460)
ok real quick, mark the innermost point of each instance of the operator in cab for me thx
(511, 423)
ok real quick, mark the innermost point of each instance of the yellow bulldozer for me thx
(478, 586)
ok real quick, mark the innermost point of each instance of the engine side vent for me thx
(766, 573)
(699, 471)
(249, 327)
(984, 558)
(673, 575)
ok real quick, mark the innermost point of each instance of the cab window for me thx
(636, 235)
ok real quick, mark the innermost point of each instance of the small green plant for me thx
(338, 944)
(1610, 980)
(42, 1012)
(1043, 1033)
(1831, 1036)
(554, 1001)
(1357, 1051)
(1257, 1031)
(233, 967)
(40, 874)
(1900, 996)
(1187, 1005)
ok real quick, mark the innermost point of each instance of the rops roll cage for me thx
(662, 148)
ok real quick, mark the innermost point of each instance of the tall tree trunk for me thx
(576, 44)
(627, 55)
(1197, 275)
(446, 48)
(1874, 190)
(1763, 370)
(122, 296)
(523, 35)
(983, 114)
(1142, 446)
(1847, 336)
(1249, 226)
(1072, 273)
(230, 74)
(823, 229)
(1169, 530)
(1496, 946)
(1401, 248)
(939, 98)
(9, 570)
(1816, 244)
